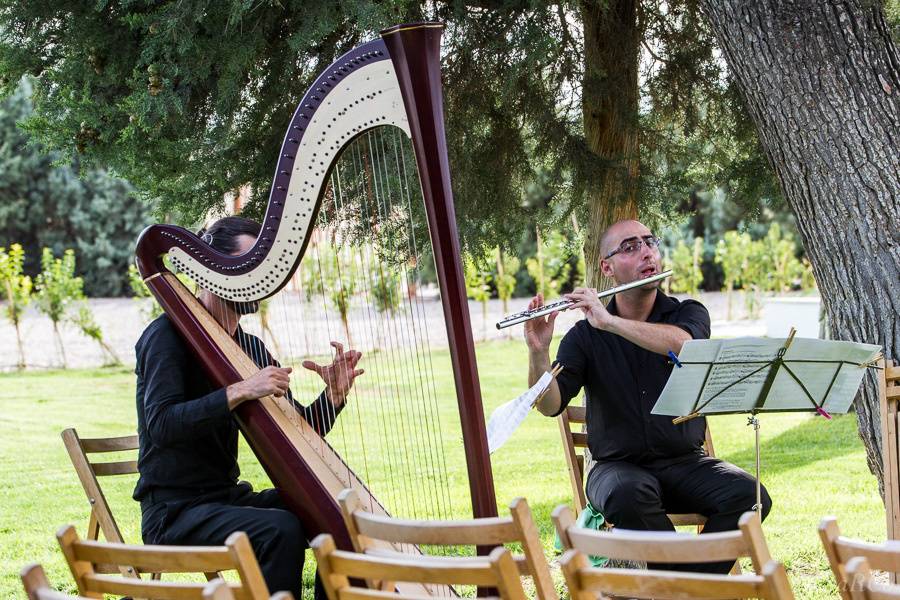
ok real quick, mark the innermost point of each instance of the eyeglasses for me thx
(632, 245)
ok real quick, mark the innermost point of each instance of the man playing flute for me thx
(646, 466)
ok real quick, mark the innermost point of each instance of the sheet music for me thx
(743, 356)
(507, 417)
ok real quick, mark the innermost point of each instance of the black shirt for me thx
(188, 438)
(622, 382)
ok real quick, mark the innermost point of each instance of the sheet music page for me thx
(507, 417)
(786, 393)
(746, 355)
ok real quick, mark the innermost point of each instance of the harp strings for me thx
(370, 242)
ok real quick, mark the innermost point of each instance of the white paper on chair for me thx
(507, 417)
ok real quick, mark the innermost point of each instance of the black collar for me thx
(662, 305)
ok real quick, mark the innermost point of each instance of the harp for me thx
(363, 103)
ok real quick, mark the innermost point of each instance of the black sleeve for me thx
(572, 357)
(170, 417)
(693, 318)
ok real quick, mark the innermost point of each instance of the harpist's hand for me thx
(539, 331)
(271, 381)
(339, 375)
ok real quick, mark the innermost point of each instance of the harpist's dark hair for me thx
(222, 235)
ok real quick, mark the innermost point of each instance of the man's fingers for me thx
(338, 347)
(358, 372)
(308, 364)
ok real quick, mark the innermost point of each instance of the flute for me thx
(527, 315)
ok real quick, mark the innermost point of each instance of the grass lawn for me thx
(811, 467)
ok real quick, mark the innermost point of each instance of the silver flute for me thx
(527, 315)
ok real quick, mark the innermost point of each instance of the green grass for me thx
(811, 467)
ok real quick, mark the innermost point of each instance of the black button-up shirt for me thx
(188, 438)
(622, 382)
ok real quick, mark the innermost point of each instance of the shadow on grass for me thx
(814, 440)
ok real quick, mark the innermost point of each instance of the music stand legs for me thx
(752, 420)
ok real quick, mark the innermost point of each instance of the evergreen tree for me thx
(606, 108)
(51, 206)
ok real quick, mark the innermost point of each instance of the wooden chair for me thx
(236, 554)
(101, 518)
(587, 583)
(38, 588)
(572, 440)
(863, 587)
(412, 576)
(218, 589)
(839, 550)
(666, 546)
(889, 402)
(372, 533)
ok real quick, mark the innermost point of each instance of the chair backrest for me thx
(217, 589)
(236, 554)
(38, 588)
(863, 586)
(101, 518)
(840, 549)
(372, 532)
(339, 569)
(666, 546)
(571, 422)
(889, 403)
(587, 583)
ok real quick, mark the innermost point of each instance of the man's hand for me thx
(539, 331)
(339, 375)
(271, 381)
(587, 300)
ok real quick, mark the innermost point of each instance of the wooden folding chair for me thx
(587, 583)
(666, 546)
(576, 417)
(863, 586)
(410, 575)
(889, 403)
(218, 589)
(839, 550)
(373, 532)
(38, 588)
(101, 518)
(83, 555)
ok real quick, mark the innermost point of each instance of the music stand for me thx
(755, 375)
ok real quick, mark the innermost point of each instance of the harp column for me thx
(415, 53)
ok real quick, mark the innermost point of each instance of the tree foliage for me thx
(156, 92)
(50, 205)
(15, 288)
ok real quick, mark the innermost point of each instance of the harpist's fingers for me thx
(338, 347)
(308, 364)
(358, 372)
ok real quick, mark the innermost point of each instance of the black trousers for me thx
(275, 533)
(632, 496)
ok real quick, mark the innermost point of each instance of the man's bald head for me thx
(619, 231)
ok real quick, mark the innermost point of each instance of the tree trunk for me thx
(21, 364)
(59, 342)
(610, 108)
(822, 83)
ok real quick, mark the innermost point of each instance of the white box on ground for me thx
(780, 314)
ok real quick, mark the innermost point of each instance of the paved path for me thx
(122, 321)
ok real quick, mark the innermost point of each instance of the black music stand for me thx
(754, 375)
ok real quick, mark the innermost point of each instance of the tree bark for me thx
(822, 82)
(610, 109)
